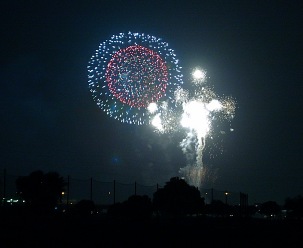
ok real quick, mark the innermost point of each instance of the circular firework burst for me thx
(129, 72)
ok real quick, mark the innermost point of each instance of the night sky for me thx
(252, 51)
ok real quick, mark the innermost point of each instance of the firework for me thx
(197, 109)
(131, 75)
(136, 79)
(199, 75)
(200, 109)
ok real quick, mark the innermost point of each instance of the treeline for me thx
(41, 193)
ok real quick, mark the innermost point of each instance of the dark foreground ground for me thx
(97, 231)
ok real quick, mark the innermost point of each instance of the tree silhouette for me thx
(40, 190)
(178, 198)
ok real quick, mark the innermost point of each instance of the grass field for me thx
(101, 231)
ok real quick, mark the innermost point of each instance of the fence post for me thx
(212, 195)
(91, 188)
(135, 188)
(4, 186)
(67, 193)
(114, 191)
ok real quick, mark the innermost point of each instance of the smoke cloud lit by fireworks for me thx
(198, 108)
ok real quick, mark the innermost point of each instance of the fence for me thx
(106, 193)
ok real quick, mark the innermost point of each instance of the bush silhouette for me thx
(136, 207)
(217, 208)
(41, 191)
(294, 207)
(270, 209)
(84, 207)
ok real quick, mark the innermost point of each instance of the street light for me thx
(226, 194)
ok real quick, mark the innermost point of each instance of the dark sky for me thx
(252, 51)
